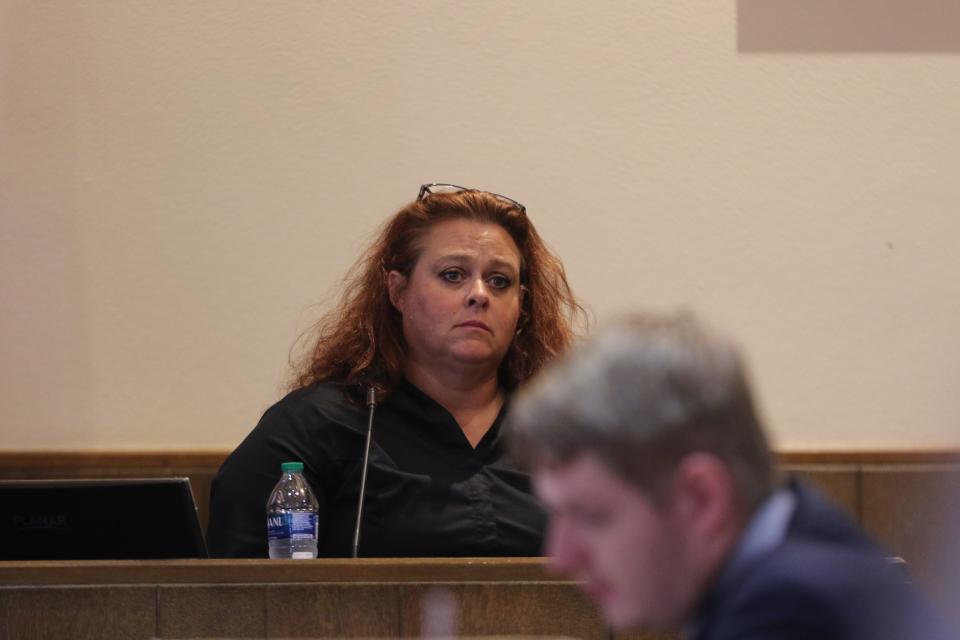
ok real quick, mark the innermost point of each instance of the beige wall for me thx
(182, 181)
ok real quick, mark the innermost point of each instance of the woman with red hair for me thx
(456, 303)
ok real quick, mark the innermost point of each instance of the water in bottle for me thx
(292, 515)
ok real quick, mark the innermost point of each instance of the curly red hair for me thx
(360, 341)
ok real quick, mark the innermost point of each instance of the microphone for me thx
(371, 405)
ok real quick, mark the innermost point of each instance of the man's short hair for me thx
(642, 395)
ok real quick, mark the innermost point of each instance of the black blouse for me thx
(429, 492)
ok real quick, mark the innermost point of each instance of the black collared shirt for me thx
(429, 492)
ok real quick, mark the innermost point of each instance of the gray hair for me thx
(642, 395)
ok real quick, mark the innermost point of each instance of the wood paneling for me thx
(347, 598)
(333, 611)
(214, 611)
(499, 608)
(649, 635)
(840, 483)
(915, 512)
(79, 612)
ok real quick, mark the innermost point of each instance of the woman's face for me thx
(461, 302)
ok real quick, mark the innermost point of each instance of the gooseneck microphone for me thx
(371, 405)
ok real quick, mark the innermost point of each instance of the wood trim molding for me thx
(260, 571)
(207, 459)
(871, 457)
(113, 459)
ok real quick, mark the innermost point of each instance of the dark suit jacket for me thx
(827, 581)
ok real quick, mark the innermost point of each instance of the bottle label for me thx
(297, 525)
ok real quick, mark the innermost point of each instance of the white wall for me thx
(181, 182)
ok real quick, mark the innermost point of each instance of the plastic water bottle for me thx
(292, 515)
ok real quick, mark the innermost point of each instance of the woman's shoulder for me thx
(325, 399)
(318, 417)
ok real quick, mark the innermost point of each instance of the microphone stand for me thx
(371, 405)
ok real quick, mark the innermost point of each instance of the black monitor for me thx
(114, 519)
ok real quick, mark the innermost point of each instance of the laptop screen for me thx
(115, 519)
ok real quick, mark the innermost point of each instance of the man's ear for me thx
(396, 283)
(704, 495)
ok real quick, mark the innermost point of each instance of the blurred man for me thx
(664, 501)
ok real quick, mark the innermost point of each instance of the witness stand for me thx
(326, 598)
